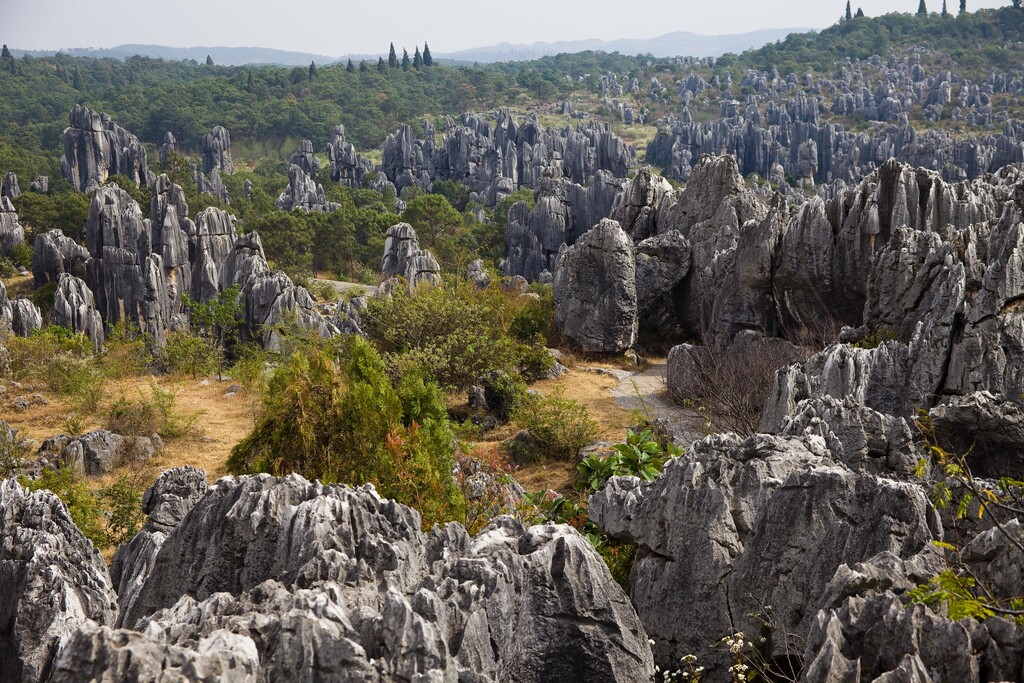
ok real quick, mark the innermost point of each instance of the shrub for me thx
(144, 417)
(21, 255)
(185, 353)
(44, 296)
(12, 452)
(334, 415)
(639, 456)
(124, 510)
(536, 317)
(64, 361)
(560, 427)
(81, 503)
(125, 352)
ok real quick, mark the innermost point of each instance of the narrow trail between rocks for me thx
(646, 392)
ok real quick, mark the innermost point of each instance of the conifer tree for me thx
(922, 10)
(350, 67)
(860, 12)
(963, 6)
(363, 67)
(405, 60)
(312, 70)
(77, 81)
(849, 12)
(209, 60)
(381, 65)
(392, 57)
(5, 54)
(417, 60)
(944, 12)
(427, 59)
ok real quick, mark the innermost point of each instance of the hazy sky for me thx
(337, 27)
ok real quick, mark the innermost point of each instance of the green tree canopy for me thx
(392, 57)
(427, 59)
(433, 217)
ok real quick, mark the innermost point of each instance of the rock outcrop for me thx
(26, 317)
(10, 188)
(260, 559)
(11, 232)
(52, 578)
(75, 308)
(595, 291)
(346, 166)
(743, 524)
(54, 254)
(303, 192)
(217, 151)
(95, 148)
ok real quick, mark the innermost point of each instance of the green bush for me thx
(185, 353)
(124, 510)
(62, 360)
(21, 255)
(456, 332)
(12, 453)
(157, 414)
(125, 352)
(82, 504)
(334, 414)
(44, 296)
(640, 456)
(560, 427)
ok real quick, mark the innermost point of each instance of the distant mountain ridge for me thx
(679, 43)
(676, 44)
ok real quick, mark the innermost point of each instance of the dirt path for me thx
(646, 392)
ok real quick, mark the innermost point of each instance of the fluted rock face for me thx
(165, 503)
(172, 231)
(74, 307)
(346, 166)
(267, 297)
(563, 211)
(95, 148)
(26, 317)
(303, 193)
(11, 232)
(747, 523)
(54, 254)
(595, 291)
(212, 186)
(377, 599)
(52, 581)
(10, 188)
(168, 147)
(400, 243)
(213, 241)
(217, 151)
(306, 159)
(126, 276)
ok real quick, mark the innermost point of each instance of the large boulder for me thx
(54, 254)
(217, 151)
(11, 232)
(52, 581)
(742, 524)
(595, 291)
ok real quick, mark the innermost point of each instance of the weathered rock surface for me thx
(303, 192)
(217, 151)
(95, 148)
(209, 248)
(11, 232)
(10, 188)
(52, 578)
(374, 597)
(735, 525)
(595, 290)
(101, 451)
(165, 503)
(346, 166)
(54, 254)
(26, 317)
(75, 308)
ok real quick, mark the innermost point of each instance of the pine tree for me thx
(405, 60)
(381, 65)
(249, 83)
(363, 67)
(5, 54)
(849, 12)
(209, 60)
(312, 70)
(963, 6)
(427, 59)
(77, 81)
(392, 57)
(860, 12)
(944, 12)
(417, 59)
(922, 10)
(350, 67)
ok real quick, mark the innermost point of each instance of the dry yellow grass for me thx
(221, 422)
